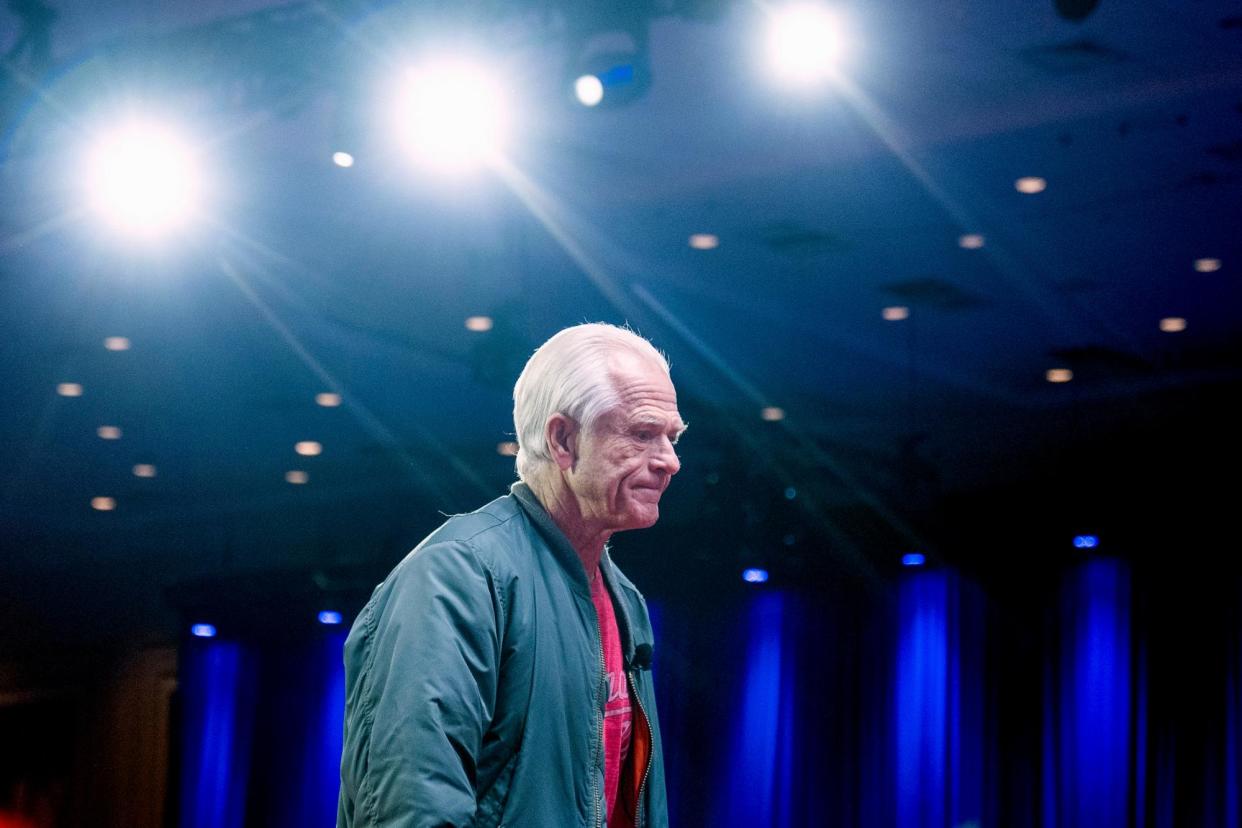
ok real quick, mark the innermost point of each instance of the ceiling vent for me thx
(1231, 152)
(930, 292)
(1072, 56)
(1100, 361)
(793, 239)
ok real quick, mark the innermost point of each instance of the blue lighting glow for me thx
(755, 576)
(203, 631)
(913, 559)
(617, 75)
(791, 493)
(1086, 542)
(329, 617)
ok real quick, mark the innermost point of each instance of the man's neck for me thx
(587, 540)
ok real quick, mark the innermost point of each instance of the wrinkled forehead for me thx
(643, 389)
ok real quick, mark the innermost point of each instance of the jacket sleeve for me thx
(423, 694)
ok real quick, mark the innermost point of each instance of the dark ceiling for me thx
(829, 206)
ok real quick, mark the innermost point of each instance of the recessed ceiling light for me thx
(1030, 185)
(1173, 324)
(1207, 265)
(297, 478)
(970, 241)
(895, 313)
(772, 414)
(342, 159)
(328, 399)
(308, 448)
(69, 389)
(144, 470)
(1059, 375)
(109, 432)
(509, 449)
(478, 323)
(116, 343)
(704, 241)
(103, 504)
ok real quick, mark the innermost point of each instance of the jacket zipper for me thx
(596, 793)
(638, 810)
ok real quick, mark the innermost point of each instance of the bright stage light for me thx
(451, 115)
(804, 43)
(755, 576)
(589, 90)
(203, 631)
(1086, 542)
(913, 559)
(143, 179)
(329, 617)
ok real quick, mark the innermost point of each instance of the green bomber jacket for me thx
(475, 685)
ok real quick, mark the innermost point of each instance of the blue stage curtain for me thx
(938, 717)
(761, 765)
(1090, 757)
(917, 703)
(261, 725)
(218, 695)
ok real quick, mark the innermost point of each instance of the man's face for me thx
(624, 463)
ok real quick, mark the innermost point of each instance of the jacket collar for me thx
(567, 556)
(565, 553)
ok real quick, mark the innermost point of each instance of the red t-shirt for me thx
(618, 718)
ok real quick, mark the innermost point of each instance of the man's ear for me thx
(561, 433)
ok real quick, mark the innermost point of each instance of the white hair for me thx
(569, 374)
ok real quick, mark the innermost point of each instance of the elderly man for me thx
(500, 674)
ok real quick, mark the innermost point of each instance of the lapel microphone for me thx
(642, 657)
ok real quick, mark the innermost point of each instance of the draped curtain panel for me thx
(261, 733)
(1101, 699)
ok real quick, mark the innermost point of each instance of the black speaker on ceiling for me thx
(1075, 10)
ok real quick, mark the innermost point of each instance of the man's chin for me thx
(641, 518)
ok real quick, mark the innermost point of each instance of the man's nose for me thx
(666, 458)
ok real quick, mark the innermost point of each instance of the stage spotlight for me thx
(1086, 542)
(755, 576)
(329, 617)
(203, 631)
(589, 90)
(451, 115)
(143, 179)
(804, 43)
(913, 559)
(342, 159)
